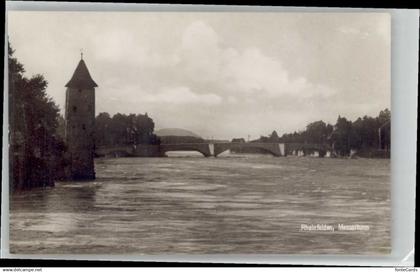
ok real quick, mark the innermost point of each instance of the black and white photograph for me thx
(148, 133)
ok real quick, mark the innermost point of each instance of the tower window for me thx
(90, 108)
(80, 90)
(74, 108)
(83, 127)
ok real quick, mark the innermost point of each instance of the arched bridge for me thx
(207, 149)
(211, 149)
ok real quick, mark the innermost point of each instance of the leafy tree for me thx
(122, 129)
(274, 137)
(342, 137)
(102, 128)
(318, 132)
(61, 126)
(295, 137)
(366, 132)
(384, 117)
(36, 148)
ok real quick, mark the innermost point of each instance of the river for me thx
(191, 204)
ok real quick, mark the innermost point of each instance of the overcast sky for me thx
(219, 75)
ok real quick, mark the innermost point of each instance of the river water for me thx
(191, 204)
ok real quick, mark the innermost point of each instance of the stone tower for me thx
(80, 121)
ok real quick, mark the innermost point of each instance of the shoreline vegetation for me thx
(367, 137)
(37, 151)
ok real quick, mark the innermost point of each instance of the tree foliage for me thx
(367, 133)
(342, 137)
(36, 150)
(122, 129)
(318, 132)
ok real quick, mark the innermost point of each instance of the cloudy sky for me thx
(219, 75)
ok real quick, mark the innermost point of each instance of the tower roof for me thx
(81, 78)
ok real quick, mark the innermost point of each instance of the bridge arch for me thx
(201, 148)
(165, 153)
(272, 148)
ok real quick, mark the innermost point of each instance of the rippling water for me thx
(230, 204)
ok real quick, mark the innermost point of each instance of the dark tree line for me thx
(364, 134)
(36, 150)
(317, 132)
(367, 133)
(122, 129)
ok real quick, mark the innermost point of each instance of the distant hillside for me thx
(180, 140)
(175, 132)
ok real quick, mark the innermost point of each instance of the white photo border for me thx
(404, 78)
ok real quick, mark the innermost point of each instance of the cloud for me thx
(219, 74)
(204, 61)
(199, 38)
(199, 53)
(252, 72)
(180, 95)
(113, 45)
(207, 70)
(201, 71)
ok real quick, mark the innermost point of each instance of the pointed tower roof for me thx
(81, 78)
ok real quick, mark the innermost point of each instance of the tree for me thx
(342, 136)
(384, 130)
(367, 130)
(318, 132)
(124, 129)
(61, 129)
(102, 129)
(365, 133)
(274, 137)
(295, 137)
(36, 148)
(384, 117)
